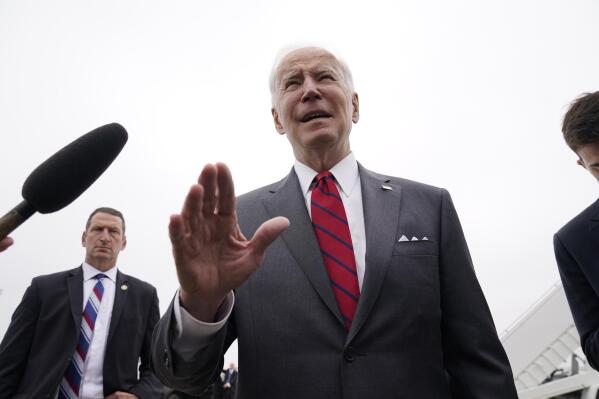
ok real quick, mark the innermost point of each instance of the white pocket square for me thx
(403, 238)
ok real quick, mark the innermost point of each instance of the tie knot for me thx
(322, 177)
(100, 276)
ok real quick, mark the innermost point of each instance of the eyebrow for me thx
(290, 75)
(105, 226)
(318, 70)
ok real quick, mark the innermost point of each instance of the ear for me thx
(83, 236)
(277, 120)
(124, 243)
(579, 161)
(355, 101)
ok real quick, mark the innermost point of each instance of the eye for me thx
(291, 83)
(327, 76)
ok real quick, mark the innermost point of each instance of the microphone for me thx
(63, 177)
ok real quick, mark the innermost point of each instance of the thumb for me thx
(267, 233)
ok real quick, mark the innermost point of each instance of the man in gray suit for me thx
(401, 316)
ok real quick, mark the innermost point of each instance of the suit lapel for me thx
(120, 298)
(288, 200)
(381, 217)
(75, 287)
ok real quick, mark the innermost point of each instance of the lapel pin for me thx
(386, 187)
(403, 238)
(124, 287)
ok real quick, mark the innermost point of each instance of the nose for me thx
(105, 236)
(311, 90)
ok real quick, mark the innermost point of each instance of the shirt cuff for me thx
(192, 334)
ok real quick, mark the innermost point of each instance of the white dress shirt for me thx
(193, 334)
(92, 384)
(347, 180)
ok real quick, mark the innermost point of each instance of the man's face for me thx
(589, 158)
(313, 104)
(103, 240)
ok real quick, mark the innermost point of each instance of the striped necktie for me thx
(332, 232)
(71, 382)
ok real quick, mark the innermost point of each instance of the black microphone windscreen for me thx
(64, 176)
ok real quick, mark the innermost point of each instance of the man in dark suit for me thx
(366, 289)
(577, 243)
(82, 333)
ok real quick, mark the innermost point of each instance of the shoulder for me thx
(579, 225)
(259, 193)
(250, 204)
(54, 277)
(410, 188)
(136, 282)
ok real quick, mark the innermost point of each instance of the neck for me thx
(321, 160)
(99, 265)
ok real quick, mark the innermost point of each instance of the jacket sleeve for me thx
(583, 301)
(190, 374)
(475, 360)
(15, 347)
(148, 386)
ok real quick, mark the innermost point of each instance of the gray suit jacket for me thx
(422, 327)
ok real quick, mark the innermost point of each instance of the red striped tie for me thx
(332, 232)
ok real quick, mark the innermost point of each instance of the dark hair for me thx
(581, 122)
(110, 211)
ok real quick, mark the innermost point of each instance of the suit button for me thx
(165, 359)
(349, 354)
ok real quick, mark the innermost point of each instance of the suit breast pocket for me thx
(416, 248)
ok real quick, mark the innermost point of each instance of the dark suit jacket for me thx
(44, 330)
(577, 253)
(422, 328)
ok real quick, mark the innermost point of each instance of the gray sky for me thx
(466, 95)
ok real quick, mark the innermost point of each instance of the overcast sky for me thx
(467, 95)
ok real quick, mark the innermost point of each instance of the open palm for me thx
(211, 254)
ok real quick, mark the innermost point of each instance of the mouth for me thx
(310, 116)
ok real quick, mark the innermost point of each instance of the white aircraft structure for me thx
(544, 351)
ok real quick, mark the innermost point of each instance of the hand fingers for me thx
(176, 230)
(226, 190)
(5, 243)
(191, 213)
(267, 233)
(208, 180)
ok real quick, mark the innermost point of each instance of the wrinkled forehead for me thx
(307, 60)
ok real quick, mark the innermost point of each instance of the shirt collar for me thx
(89, 272)
(345, 172)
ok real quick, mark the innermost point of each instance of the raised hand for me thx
(211, 255)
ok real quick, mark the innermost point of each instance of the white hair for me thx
(285, 51)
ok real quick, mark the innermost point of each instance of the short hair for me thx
(108, 210)
(347, 75)
(581, 122)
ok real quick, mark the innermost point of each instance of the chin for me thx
(322, 134)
